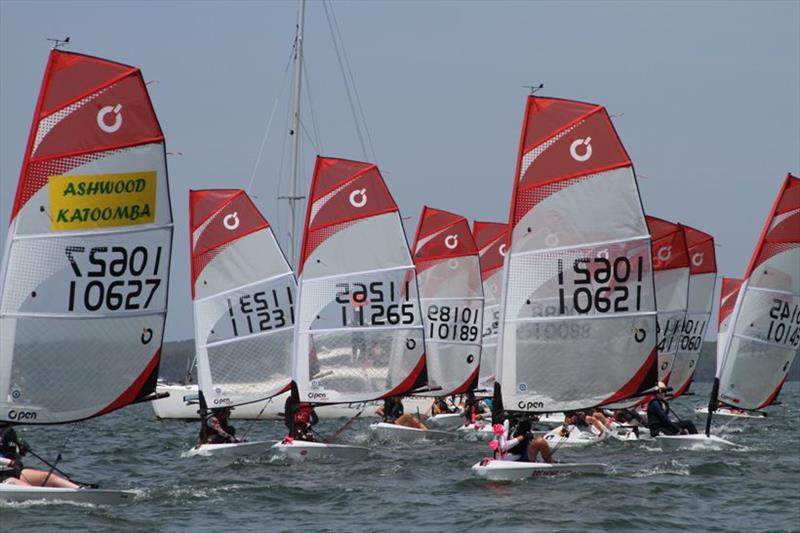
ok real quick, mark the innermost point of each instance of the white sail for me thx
(85, 273)
(702, 279)
(490, 238)
(359, 330)
(244, 294)
(578, 316)
(764, 334)
(451, 295)
(671, 275)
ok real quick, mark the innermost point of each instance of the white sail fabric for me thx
(671, 276)
(85, 273)
(490, 238)
(359, 332)
(451, 295)
(578, 316)
(702, 279)
(764, 334)
(244, 294)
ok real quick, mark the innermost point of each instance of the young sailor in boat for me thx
(658, 416)
(299, 418)
(392, 412)
(523, 446)
(583, 421)
(217, 427)
(474, 409)
(440, 407)
(14, 473)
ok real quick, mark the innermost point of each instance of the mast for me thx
(294, 132)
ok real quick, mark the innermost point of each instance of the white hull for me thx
(445, 421)
(384, 431)
(496, 470)
(575, 438)
(298, 450)
(726, 411)
(175, 407)
(21, 493)
(551, 419)
(671, 443)
(229, 451)
(476, 432)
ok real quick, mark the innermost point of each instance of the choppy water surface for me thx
(421, 487)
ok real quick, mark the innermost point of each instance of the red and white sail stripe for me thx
(451, 295)
(490, 238)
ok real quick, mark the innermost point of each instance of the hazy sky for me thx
(707, 93)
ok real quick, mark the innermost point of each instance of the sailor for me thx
(218, 428)
(581, 421)
(440, 407)
(14, 473)
(392, 412)
(658, 416)
(523, 446)
(473, 408)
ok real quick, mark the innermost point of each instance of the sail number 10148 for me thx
(601, 285)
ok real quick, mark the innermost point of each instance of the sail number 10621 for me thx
(614, 293)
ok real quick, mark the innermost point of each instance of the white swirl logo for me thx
(664, 253)
(358, 198)
(231, 221)
(101, 118)
(603, 254)
(451, 242)
(453, 263)
(697, 259)
(551, 240)
(577, 143)
(502, 249)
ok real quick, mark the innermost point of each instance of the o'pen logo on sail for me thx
(102, 200)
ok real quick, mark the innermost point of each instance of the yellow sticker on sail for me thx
(102, 200)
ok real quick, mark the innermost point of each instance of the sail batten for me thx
(578, 249)
(85, 275)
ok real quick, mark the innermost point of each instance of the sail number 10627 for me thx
(614, 293)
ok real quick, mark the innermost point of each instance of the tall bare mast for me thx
(294, 132)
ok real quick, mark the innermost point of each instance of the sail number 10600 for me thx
(614, 294)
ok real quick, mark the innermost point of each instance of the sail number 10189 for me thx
(601, 285)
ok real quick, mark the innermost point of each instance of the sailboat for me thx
(86, 266)
(490, 237)
(702, 279)
(244, 293)
(671, 275)
(451, 295)
(763, 329)
(578, 318)
(359, 334)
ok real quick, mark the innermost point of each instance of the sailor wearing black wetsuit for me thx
(218, 430)
(392, 409)
(11, 452)
(658, 416)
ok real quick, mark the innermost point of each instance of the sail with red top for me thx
(359, 332)
(85, 273)
(671, 273)
(490, 238)
(764, 333)
(578, 325)
(702, 278)
(451, 296)
(244, 292)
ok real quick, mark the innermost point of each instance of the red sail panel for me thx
(86, 106)
(219, 217)
(702, 255)
(669, 244)
(441, 235)
(490, 238)
(782, 229)
(727, 297)
(342, 191)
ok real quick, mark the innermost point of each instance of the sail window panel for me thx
(758, 369)
(250, 368)
(39, 212)
(361, 362)
(355, 247)
(596, 208)
(97, 273)
(454, 277)
(450, 365)
(554, 368)
(773, 318)
(249, 259)
(70, 369)
(781, 272)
